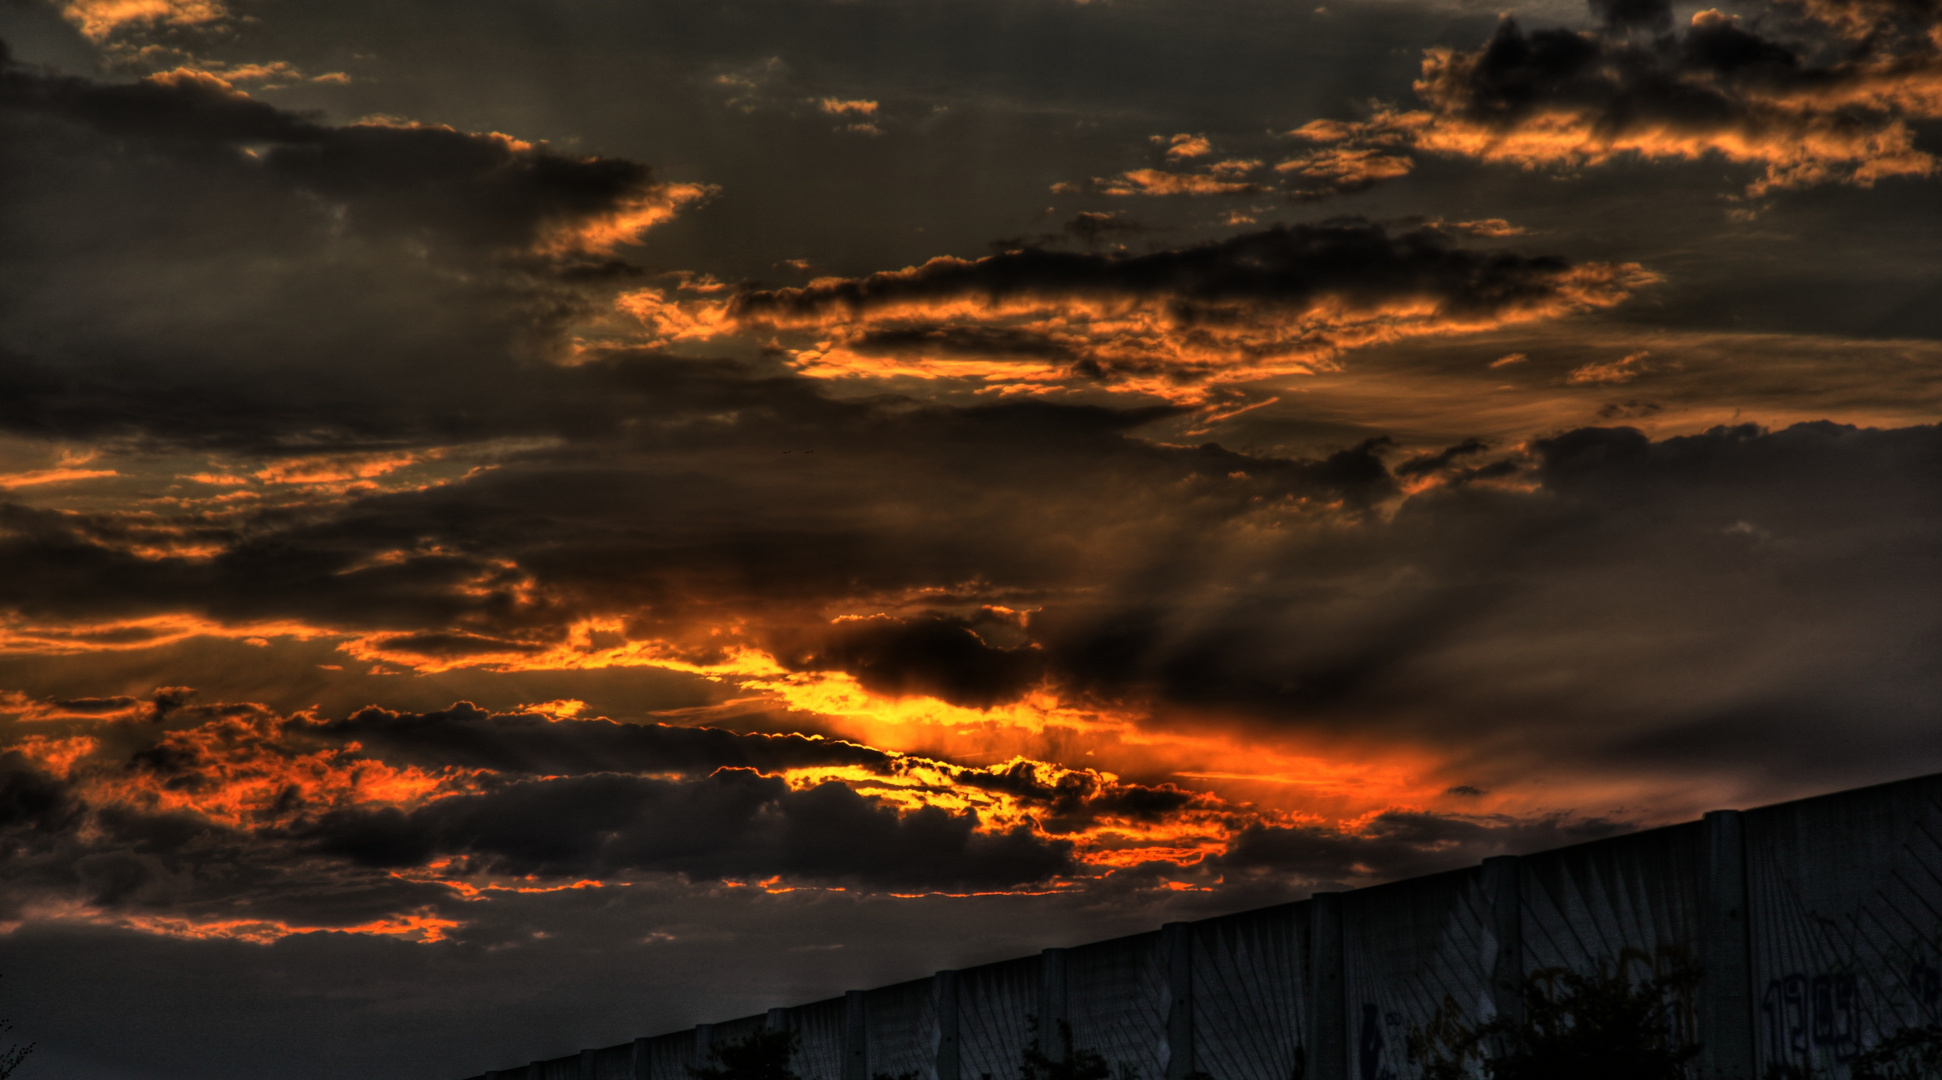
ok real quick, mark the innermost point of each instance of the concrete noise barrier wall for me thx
(1817, 926)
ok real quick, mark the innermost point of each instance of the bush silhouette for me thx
(12, 1056)
(1074, 1065)
(1605, 1026)
(763, 1055)
(1913, 1053)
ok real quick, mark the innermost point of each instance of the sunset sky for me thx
(529, 523)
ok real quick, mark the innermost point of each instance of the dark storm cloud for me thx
(229, 815)
(32, 802)
(1424, 464)
(1170, 323)
(1621, 15)
(469, 737)
(181, 107)
(941, 655)
(1093, 226)
(261, 825)
(61, 844)
(1291, 266)
(404, 179)
(190, 264)
(735, 823)
(1751, 536)
(1076, 800)
(699, 524)
(1808, 94)
(1555, 96)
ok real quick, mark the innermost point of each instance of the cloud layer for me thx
(1830, 98)
(1278, 302)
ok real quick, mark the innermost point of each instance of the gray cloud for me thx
(735, 823)
(171, 234)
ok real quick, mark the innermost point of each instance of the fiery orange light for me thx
(423, 928)
(11, 481)
(100, 19)
(19, 635)
(624, 224)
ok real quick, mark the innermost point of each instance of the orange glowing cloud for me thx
(1185, 145)
(422, 927)
(101, 19)
(1606, 97)
(1161, 182)
(1610, 373)
(1344, 168)
(1145, 345)
(38, 477)
(673, 318)
(274, 781)
(1321, 172)
(57, 756)
(244, 770)
(1042, 725)
(20, 635)
(338, 469)
(1046, 725)
(1796, 150)
(853, 107)
(1025, 793)
(624, 224)
(1170, 324)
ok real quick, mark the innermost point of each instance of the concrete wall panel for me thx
(668, 1056)
(1412, 949)
(819, 1031)
(996, 1005)
(1116, 999)
(1630, 899)
(1248, 1003)
(1845, 893)
(901, 1030)
(614, 1062)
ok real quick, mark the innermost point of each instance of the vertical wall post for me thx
(778, 1020)
(536, 1071)
(856, 1047)
(1177, 948)
(1503, 890)
(1327, 1052)
(945, 984)
(704, 1043)
(1051, 1003)
(639, 1068)
(586, 1064)
(1725, 1003)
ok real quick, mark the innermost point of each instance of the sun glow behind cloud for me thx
(253, 773)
